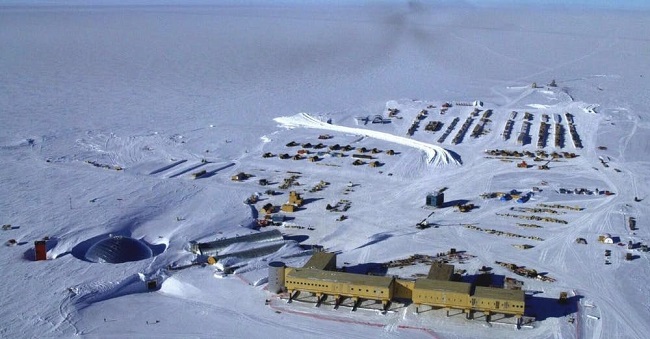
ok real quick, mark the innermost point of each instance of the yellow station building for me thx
(320, 278)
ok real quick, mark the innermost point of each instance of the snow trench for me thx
(436, 155)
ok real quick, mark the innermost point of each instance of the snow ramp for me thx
(436, 155)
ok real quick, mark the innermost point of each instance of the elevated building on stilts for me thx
(319, 278)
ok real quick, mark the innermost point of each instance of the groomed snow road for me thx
(436, 155)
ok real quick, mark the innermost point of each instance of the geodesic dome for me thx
(117, 250)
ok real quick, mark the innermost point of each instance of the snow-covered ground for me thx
(161, 92)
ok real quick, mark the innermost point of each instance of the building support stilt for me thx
(385, 305)
(357, 302)
(337, 302)
(291, 296)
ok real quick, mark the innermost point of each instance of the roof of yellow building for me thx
(319, 260)
(440, 271)
(499, 293)
(340, 277)
(443, 286)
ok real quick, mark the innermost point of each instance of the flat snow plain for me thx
(156, 89)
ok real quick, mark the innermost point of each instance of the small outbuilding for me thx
(606, 238)
(436, 199)
(523, 198)
(277, 219)
(268, 208)
(335, 147)
(295, 198)
(241, 176)
(288, 208)
(40, 250)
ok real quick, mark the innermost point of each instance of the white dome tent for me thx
(118, 249)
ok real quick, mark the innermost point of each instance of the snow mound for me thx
(436, 155)
(87, 294)
(174, 287)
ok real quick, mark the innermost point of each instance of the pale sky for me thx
(612, 4)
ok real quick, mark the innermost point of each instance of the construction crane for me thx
(424, 223)
(545, 166)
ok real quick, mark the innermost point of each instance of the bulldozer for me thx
(463, 208)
